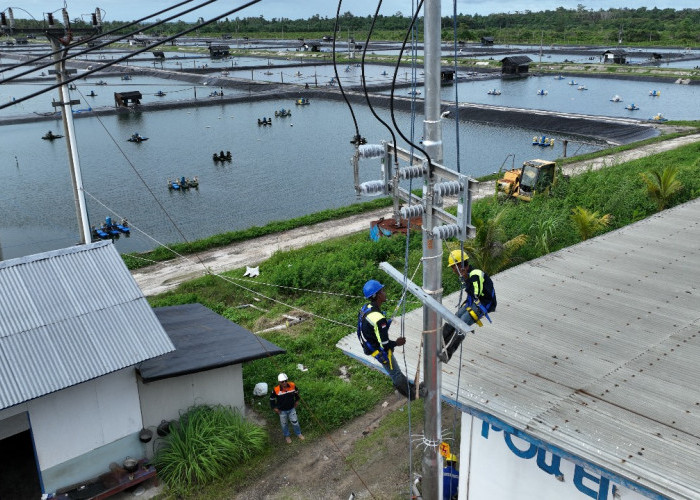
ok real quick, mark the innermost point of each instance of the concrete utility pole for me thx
(437, 224)
(65, 103)
(432, 261)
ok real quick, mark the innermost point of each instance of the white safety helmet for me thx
(282, 377)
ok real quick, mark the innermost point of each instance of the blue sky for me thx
(123, 10)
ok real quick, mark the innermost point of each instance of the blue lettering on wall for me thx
(602, 483)
(552, 468)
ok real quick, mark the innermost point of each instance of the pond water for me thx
(299, 165)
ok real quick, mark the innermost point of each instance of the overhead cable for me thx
(358, 138)
(139, 51)
(86, 40)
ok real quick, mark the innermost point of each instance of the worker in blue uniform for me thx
(373, 334)
(480, 301)
(450, 479)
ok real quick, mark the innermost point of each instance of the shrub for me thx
(203, 444)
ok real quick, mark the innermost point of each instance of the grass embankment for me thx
(138, 260)
(325, 279)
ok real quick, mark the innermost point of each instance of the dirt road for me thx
(166, 276)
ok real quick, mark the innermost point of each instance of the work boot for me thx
(451, 341)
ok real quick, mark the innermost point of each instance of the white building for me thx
(87, 364)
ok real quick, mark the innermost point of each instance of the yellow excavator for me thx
(533, 177)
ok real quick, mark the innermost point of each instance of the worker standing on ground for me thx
(480, 301)
(284, 399)
(450, 479)
(373, 334)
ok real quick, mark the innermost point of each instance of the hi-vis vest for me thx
(479, 284)
(374, 317)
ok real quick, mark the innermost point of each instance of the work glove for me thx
(401, 341)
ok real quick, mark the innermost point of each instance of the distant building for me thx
(219, 50)
(515, 65)
(447, 75)
(124, 99)
(615, 56)
(486, 40)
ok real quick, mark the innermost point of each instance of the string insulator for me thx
(412, 211)
(451, 188)
(371, 151)
(372, 187)
(446, 231)
(411, 172)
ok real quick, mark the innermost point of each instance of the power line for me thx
(81, 42)
(139, 51)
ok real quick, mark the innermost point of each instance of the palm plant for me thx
(661, 186)
(490, 250)
(588, 223)
(543, 232)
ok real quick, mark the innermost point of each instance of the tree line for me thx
(561, 26)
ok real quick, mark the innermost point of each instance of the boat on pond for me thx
(100, 82)
(265, 121)
(658, 117)
(632, 107)
(137, 138)
(302, 101)
(126, 77)
(582, 87)
(92, 94)
(50, 136)
(655, 93)
(221, 156)
(494, 92)
(183, 183)
(160, 93)
(543, 141)
(616, 98)
(217, 94)
(283, 113)
(542, 92)
(559, 77)
(573, 82)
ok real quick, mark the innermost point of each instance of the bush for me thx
(204, 444)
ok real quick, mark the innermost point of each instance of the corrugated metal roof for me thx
(595, 352)
(68, 316)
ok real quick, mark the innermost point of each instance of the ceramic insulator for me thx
(372, 187)
(411, 211)
(446, 231)
(451, 188)
(371, 151)
(411, 172)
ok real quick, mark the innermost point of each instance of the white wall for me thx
(166, 399)
(496, 465)
(82, 418)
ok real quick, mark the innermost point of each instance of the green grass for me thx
(203, 445)
(138, 260)
(326, 279)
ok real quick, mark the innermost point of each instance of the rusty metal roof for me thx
(594, 353)
(68, 316)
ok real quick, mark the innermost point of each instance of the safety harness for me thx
(473, 301)
(374, 317)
